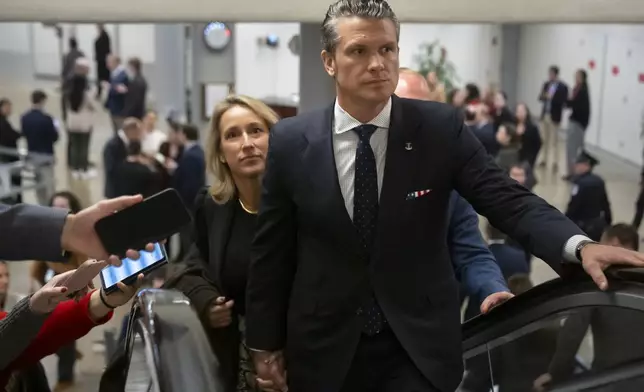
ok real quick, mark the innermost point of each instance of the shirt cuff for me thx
(570, 248)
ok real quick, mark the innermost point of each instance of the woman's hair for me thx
(528, 114)
(77, 92)
(224, 189)
(3, 101)
(473, 93)
(74, 202)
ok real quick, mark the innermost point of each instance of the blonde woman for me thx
(215, 270)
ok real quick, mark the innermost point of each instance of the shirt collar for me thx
(188, 145)
(345, 122)
(121, 134)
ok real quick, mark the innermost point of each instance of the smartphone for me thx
(152, 220)
(130, 269)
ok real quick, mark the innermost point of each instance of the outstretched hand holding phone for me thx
(80, 236)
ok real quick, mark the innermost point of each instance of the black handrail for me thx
(180, 350)
(540, 305)
(552, 299)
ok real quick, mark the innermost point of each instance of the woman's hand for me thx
(50, 295)
(124, 293)
(100, 307)
(502, 136)
(220, 312)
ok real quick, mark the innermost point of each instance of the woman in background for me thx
(579, 102)
(530, 136)
(214, 274)
(67, 355)
(8, 299)
(79, 120)
(500, 112)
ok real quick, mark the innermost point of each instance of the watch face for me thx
(217, 35)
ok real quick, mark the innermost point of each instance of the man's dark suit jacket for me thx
(190, 175)
(40, 131)
(115, 100)
(307, 278)
(114, 156)
(134, 105)
(557, 103)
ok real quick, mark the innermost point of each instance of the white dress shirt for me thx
(345, 145)
(152, 141)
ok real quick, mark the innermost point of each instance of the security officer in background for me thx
(589, 207)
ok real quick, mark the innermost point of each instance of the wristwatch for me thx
(581, 246)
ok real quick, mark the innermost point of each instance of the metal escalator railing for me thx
(15, 162)
(547, 306)
(165, 350)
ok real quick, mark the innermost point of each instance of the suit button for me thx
(359, 312)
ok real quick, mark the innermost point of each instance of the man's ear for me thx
(329, 62)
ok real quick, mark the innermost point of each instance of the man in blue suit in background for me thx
(474, 265)
(41, 132)
(117, 90)
(190, 174)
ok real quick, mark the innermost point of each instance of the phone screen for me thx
(130, 269)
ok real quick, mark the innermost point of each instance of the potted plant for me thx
(433, 58)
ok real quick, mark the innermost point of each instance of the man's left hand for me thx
(79, 235)
(495, 299)
(596, 258)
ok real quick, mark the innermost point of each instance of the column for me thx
(317, 88)
(510, 39)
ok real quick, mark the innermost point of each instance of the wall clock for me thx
(217, 36)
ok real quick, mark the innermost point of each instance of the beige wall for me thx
(498, 11)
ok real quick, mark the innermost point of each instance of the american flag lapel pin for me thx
(417, 194)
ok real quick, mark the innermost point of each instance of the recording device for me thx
(130, 269)
(152, 220)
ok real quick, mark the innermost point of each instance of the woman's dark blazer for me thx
(198, 276)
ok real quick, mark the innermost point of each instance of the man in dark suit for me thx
(102, 49)
(117, 85)
(190, 175)
(115, 154)
(67, 71)
(41, 133)
(554, 95)
(350, 282)
(137, 90)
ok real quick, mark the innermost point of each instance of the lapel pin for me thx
(408, 146)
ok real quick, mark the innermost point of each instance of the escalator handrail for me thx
(165, 315)
(626, 290)
(596, 379)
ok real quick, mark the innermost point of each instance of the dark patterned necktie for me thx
(365, 215)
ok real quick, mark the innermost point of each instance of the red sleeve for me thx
(68, 322)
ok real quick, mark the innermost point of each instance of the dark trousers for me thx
(66, 362)
(79, 150)
(639, 209)
(63, 108)
(381, 364)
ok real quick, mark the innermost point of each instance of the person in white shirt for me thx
(153, 137)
